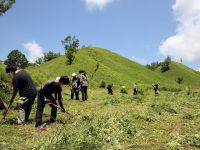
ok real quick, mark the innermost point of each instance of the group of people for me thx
(135, 89)
(79, 83)
(49, 93)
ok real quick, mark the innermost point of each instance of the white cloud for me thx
(186, 42)
(34, 51)
(139, 60)
(198, 70)
(97, 4)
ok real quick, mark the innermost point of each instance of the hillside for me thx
(112, 69)
(190, 76)
(120, 121)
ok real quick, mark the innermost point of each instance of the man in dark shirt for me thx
(23, 83)
(156, 90)
(45, 95)
(110, 89)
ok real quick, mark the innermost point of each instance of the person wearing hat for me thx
(45, 95)
(22, 83)
(75, 86)
(135, 89)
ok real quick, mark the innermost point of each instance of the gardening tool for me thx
(6, 110)
(51, 103)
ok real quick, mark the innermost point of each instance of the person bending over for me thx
(22, 83)
(45, 96)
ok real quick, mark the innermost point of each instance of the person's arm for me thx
(60, 101)
(12, 98)
(56, 96)
(15, 90)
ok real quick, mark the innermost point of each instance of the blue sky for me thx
(141, 30)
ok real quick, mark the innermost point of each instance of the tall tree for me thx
(5, 5)
(16, 58)
(50, 55)
(165, 65)
(71, 46)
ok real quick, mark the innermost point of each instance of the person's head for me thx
(82, 72)
(57, 79)
(64, 80)
(11, 68)
(73, 75)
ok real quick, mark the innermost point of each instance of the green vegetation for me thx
(71, 46)
(101, 65)
(47, 57)
(190, 76)
(15, 57)
(5, 84)
(165, 65)
(121, 121)
(153, 65)
(5, 5)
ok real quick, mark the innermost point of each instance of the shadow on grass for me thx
(10, 121)
(13, 121)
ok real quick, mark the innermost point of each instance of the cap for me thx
(73, 74)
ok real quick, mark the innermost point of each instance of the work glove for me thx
(63, 109)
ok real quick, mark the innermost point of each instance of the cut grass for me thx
(105, 121)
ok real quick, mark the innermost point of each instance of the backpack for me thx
(75, 84)
(84, 80)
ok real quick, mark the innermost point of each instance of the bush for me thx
(123, 90)
(153, 65)
(179, 80)
(170, 89)
(192, 140)
(102, 84)
(141, 92)
(188, 91)
(165, 64)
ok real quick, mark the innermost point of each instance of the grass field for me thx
(169, 121)
(119, 121)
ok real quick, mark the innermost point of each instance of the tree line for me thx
(17, 58)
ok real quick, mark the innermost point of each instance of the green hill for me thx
(190, 76)
(100, 65)
(119, 121)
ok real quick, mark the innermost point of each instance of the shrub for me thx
(102, 84)
(141, 92)
(179, 80)
(123, 90)
(188, 91)
(171, 89)
(153, 65)
(165, 65)
(192, 140)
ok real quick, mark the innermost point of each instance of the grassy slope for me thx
(141, 122)
(190, 76)
(112, 69)
(119, 121)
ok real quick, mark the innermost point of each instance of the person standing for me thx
(45, 96)
(22, 83)
(135, 89)
(75, 86)
(156, 89)
(110, 89)
(84, 82)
